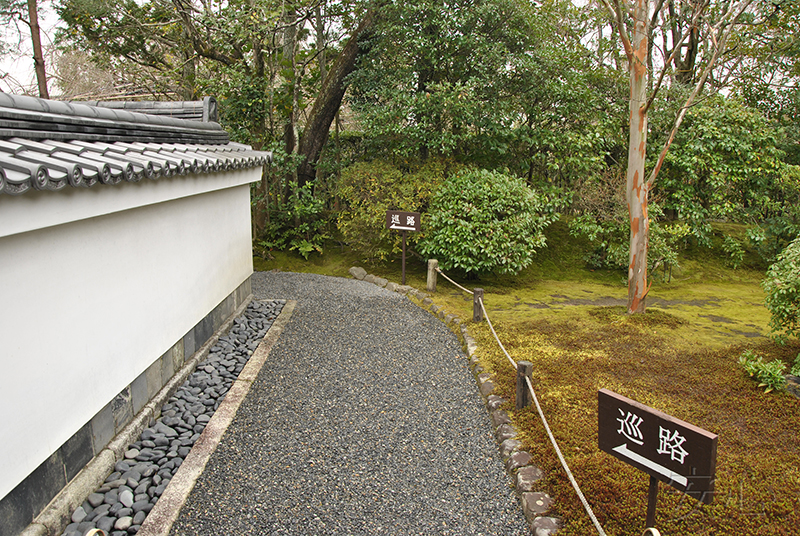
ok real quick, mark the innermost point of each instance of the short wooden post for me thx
(433, 264)
(477, 312)
(524, 370)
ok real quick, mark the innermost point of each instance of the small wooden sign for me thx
(402, 221)
(669, 449)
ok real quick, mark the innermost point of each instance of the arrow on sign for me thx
(660, 469)
(401, 228)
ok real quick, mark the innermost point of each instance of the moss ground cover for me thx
(758, 481)
(681, 358)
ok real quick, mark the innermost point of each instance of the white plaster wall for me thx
(95, 285)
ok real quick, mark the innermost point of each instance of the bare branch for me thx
(616, 15)
(720, 34)
(675, 51)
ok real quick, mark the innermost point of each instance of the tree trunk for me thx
(636, 51)
(328, 101)
(38, 57)
(289, 50)
(189, 73)
(637, 186)
(685, 64)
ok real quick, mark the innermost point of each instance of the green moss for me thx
(643, 359)
(334, 261)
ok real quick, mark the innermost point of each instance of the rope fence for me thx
(572, 480)
(523, 369)
(491, 327)
(440, 272)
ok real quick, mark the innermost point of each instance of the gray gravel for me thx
(364, 420)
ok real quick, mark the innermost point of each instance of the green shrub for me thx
(483, 221)
(782, 286)
(735, 251)
(300, 227)
(796, 366)
(768, 375)
(368, 189)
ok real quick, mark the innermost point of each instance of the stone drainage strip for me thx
(120, 506)
(519, 464)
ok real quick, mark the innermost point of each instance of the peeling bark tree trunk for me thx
(328, 102)
(637, 52)
(637, 185)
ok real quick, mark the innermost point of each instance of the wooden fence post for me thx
(524, 370)
(477, 312)
(433, 264)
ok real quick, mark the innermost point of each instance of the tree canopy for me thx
(537, 90)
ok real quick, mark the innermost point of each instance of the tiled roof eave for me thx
(86, 164)
(50, 145)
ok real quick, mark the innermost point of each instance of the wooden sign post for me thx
(668, 449)
(403, 221)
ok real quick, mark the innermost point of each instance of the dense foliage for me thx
(782, 287)
(368, 189)
(485, 221)
(499, 84)
(537, 90)
(726, 165)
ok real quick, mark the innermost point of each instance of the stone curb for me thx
(524, 474)
(57, 515)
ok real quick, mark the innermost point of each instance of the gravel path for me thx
(364, 420)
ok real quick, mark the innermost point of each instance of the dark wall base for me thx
(19, 508)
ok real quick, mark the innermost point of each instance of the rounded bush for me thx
(485, 221)
(782, 287)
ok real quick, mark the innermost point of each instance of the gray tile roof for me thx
(204, 110)
(50, 145)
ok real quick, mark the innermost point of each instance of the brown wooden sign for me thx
(669, 449)
(402, 221)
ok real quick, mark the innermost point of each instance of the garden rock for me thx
(517, 460)
(535, 504)
(509, 447)
(358, 272)
(527, 477)
(500, 417)
(545, 526)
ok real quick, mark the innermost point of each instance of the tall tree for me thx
(36, 41)
(28, 14)
(709, 28)
(329, 99)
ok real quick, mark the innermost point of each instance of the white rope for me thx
(486, 316)
(564, 462)
(453, 282)
(586, 505)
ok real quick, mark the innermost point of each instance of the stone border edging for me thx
(165, 512)
(519, 464)
(56, 515)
